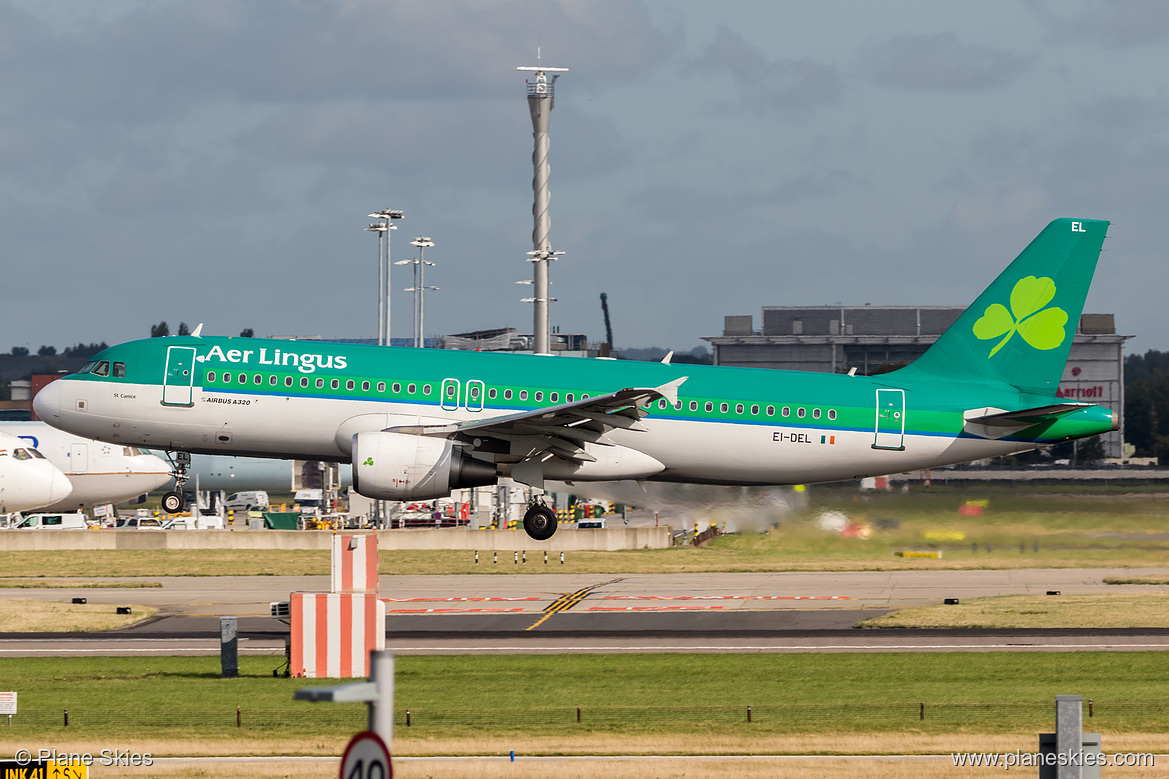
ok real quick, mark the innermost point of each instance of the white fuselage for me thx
(100, 472)
(28, 481)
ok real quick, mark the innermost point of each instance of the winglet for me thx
(669, 356)
(670, 391)
(198, 331)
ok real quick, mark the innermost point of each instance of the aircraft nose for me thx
(47, 403)
(59, 486)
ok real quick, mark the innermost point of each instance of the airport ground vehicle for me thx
(53, 522)
(256, 500)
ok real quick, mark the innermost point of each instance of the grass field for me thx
(1110, 610)
(22, 615)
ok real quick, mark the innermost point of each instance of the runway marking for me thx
(567, 601)
(653, 608)
(450, 600)
(726, 597)
(453, 611)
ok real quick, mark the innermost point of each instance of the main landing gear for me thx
(539, 521)
(173, 502)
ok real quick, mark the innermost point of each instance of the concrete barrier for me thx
(566, 539)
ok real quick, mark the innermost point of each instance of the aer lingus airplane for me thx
(418, 423)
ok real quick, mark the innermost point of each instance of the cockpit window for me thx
(36, 453)
(102, 369)
(131, 451)
(87, 367)
(119, 370)
(21, 454)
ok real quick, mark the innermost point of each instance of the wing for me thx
(560, 431)
(997, 422)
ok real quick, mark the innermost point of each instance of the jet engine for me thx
(399, 466)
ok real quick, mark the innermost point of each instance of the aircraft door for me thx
(179, 380)
(79, 458)
(890, 428)
(450, 394)
(475, 392)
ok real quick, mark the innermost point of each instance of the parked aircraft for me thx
(417, 423)
(27, 479)
(100, 472)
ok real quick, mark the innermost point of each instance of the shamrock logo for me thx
(368, 461)
(1040, 327)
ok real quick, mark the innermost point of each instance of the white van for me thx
(310, 501)
(52, 522)
(246, 501)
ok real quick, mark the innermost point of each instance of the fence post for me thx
(476, 557)
(921, 716)
(562, 558)
(1089, 707)
(407, 718)
(578, 713)
(66, 717)
(238, 718)
(748, 714)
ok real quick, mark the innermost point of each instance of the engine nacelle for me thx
(398, 466)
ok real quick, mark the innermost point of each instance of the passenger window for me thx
(554, 397)
(507, 394)
(287, 381)
(381, 386)
(584, 397)
(539, 396)
(568, 398)
(102, 369)
(119, 370)
(365, 386)
(738, 408)
(258, 379)
(397, 387)
(771, 411)
(723, 407)
(273, 380)
(211, 376)
(304, 381)
(475, 392)
(426, 389)
(523, 394)
(801, 412)
(491, 393)
(243, 378)
(334, 384)
(786, 412)
(694, 405)
(832, 413)
(349, 385)
(411, 388)
(450, 391)
(754, 411)
(709, 406)
(662, 403)
(320, 383)
(815, 413)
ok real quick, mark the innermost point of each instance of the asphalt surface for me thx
(518, 613)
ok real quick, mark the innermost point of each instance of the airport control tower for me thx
(541, 101)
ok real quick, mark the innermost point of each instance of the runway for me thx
(559, 613)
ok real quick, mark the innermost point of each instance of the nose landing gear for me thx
(173, 502)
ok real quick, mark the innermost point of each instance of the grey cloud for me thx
(1116, 24)
(792, 88)
(939, 61)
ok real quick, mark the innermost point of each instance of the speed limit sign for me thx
(366, 757)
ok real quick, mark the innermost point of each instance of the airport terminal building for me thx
(874, 339)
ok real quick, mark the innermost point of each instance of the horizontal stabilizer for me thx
(997, 417)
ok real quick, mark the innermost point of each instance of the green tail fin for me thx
(1020, 329)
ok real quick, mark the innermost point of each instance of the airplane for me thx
(100, 472)
(418, 423)
(27, 479)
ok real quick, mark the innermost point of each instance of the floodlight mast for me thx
(541, 101)
(383, 228)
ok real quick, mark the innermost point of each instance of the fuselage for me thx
(306, 400)
(100, 472)
(27, 480)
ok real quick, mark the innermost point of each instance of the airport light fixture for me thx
(383, 228)
(419, 289)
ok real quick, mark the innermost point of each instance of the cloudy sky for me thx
(214, 160)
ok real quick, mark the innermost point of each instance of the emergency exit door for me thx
(179, 380)
(890, 427)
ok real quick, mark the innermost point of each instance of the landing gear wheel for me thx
(540, 522)
(172, 503)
